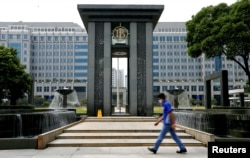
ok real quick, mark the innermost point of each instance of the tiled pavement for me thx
(103, 152)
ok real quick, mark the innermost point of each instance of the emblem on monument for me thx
(120, 35)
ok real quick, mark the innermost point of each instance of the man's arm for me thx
(159, 120)
(172, 119)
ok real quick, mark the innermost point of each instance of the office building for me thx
(54, 53)
(56, 56)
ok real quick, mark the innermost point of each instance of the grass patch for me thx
(81, 110)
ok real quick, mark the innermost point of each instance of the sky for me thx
(66, 10)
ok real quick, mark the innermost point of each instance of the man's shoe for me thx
(181, 151)
(152, 150)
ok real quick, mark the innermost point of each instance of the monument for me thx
(120, 31)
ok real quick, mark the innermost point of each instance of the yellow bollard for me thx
(99, 113)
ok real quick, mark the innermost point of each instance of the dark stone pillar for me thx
(242, 103)
(141, 69)
(99, 66)
(224, 88)
(107, 70)
(207, 94)
(133, 70)
(149, 69)
(91, 70)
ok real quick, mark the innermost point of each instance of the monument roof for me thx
(120, 13)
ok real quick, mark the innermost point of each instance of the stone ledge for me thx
(204, 137)
(45, 138)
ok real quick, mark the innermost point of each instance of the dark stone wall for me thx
(216, 122)
(32, 124)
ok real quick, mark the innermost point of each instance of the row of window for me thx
(59, 60)
(62, 74)
(14, 36)
(176, 74)
(53, 88)
(62, 67)
(59, 38)
(169, 46)
(177, 67)
(57, 46)
(170, 38)
(57, 53)
(171, 29)
(174, 60)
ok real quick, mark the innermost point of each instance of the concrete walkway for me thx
(103, 152)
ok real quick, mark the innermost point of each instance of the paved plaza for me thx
(103, 152)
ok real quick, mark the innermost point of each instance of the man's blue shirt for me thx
(167, 108)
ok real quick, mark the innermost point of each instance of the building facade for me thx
(56, 56)
(173, 68)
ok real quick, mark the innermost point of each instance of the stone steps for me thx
(137, 135)
(117, 142)
(117, 132)
(121, 119)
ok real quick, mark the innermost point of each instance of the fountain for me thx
(222, 122)
(178, 98)
(21, 123)
(64, 98)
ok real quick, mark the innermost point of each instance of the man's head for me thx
(161, 96)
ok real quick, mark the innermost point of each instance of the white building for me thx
(120, 77)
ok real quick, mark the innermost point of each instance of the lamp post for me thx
(86, 89)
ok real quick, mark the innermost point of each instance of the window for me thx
(56, 38)
(81, 53)
(18, 36)
(63, 38)
(80, 89)
(156, 88)
(42, 38)
(77, 38)
(3, 37)
(25, 36)
(79, 74)
(46, 89)
(39, 89)
(81, 60)
(155, 60)
(70, 38)
(155, 38)
(156, 74)
(84, 38)
(201, 88)
(81, 67)
(155, 46)
(49, 38)
(186, 88)
(11, 36)
(78, 46)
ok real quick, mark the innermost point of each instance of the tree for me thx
(221, 30)
(14, 81)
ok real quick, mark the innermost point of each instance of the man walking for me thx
(168, 122)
